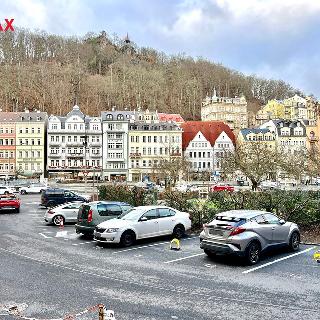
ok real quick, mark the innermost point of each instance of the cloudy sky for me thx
(277, 39)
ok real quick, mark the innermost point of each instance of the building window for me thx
(144, 139)
(155, 139)
(32, 130)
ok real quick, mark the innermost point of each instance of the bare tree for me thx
(255, 160)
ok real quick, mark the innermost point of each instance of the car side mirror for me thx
(143, 219)
(281, 221)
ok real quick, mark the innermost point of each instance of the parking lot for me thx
(148, 280)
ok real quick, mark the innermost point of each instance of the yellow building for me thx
(293, 108)
(149, 144)
(274, 109)
(30, 144)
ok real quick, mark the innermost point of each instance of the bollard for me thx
(105, 314)
(316, 256)
(175, 244)
(61, 226)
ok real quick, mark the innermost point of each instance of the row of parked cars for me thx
(111, 221)
(243, 233)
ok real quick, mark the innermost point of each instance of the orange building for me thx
(8, 144)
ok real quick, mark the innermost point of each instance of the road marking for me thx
(184, 258)
(149, 245)
(153, 286)
(79, 244)
(44, 235)
(136, 248)
(278, 260)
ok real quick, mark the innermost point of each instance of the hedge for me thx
(302, 207)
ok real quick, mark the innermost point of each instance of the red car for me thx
(9, 202)
(222, 188)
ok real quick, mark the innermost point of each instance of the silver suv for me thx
(247, 233)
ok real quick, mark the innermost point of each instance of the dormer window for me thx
(30, 118)
(120, 117)
(109, 116)
(38, 118)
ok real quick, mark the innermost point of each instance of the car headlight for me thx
(111, 230)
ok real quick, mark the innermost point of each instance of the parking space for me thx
(158, 250)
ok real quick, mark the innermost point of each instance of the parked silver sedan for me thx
(247, 233)
(67, 212)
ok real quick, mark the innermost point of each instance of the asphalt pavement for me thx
(50, 273)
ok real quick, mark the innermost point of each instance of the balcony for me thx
(96, 155)
(95, 144)
(75, 143)
(54, 155)
(135, 155)
(54, 143)
(313, 139)
(75, 155)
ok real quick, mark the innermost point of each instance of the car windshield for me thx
(133, 215)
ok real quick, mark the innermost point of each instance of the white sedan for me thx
(6, 190)
(143, 222)
(33, 188)
(67, 212)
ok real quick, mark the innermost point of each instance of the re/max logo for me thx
(8, 26)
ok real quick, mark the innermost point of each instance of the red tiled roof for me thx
(210, 129)
(164, 117)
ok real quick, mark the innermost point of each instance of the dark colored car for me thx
(54, 197)
(9, 202)
(92, 213)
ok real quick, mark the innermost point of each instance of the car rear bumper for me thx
(84, 229)
(218, 247)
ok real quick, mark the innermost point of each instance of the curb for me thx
(310, 243)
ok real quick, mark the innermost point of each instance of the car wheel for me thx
(179, 231)
(23, 192)
(294, 241)
(127, 238)
(17, 210)
(253, 253)
(57, 220)
(210, 254)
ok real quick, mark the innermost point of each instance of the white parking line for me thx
(184, 258)
(278, 260)
(79, 244)
(149, 245)
(44, 235)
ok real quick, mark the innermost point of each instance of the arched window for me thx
(109, 116)
(120, 117)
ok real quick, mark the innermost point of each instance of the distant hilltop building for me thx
(294, 108)
(232, 111)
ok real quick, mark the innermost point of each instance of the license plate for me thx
(215, 232)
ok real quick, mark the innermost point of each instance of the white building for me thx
(74, 144)
(204, 143)
(115, 128)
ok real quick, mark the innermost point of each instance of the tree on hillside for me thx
(43, 71)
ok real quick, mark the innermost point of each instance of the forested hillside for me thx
(50, 72)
